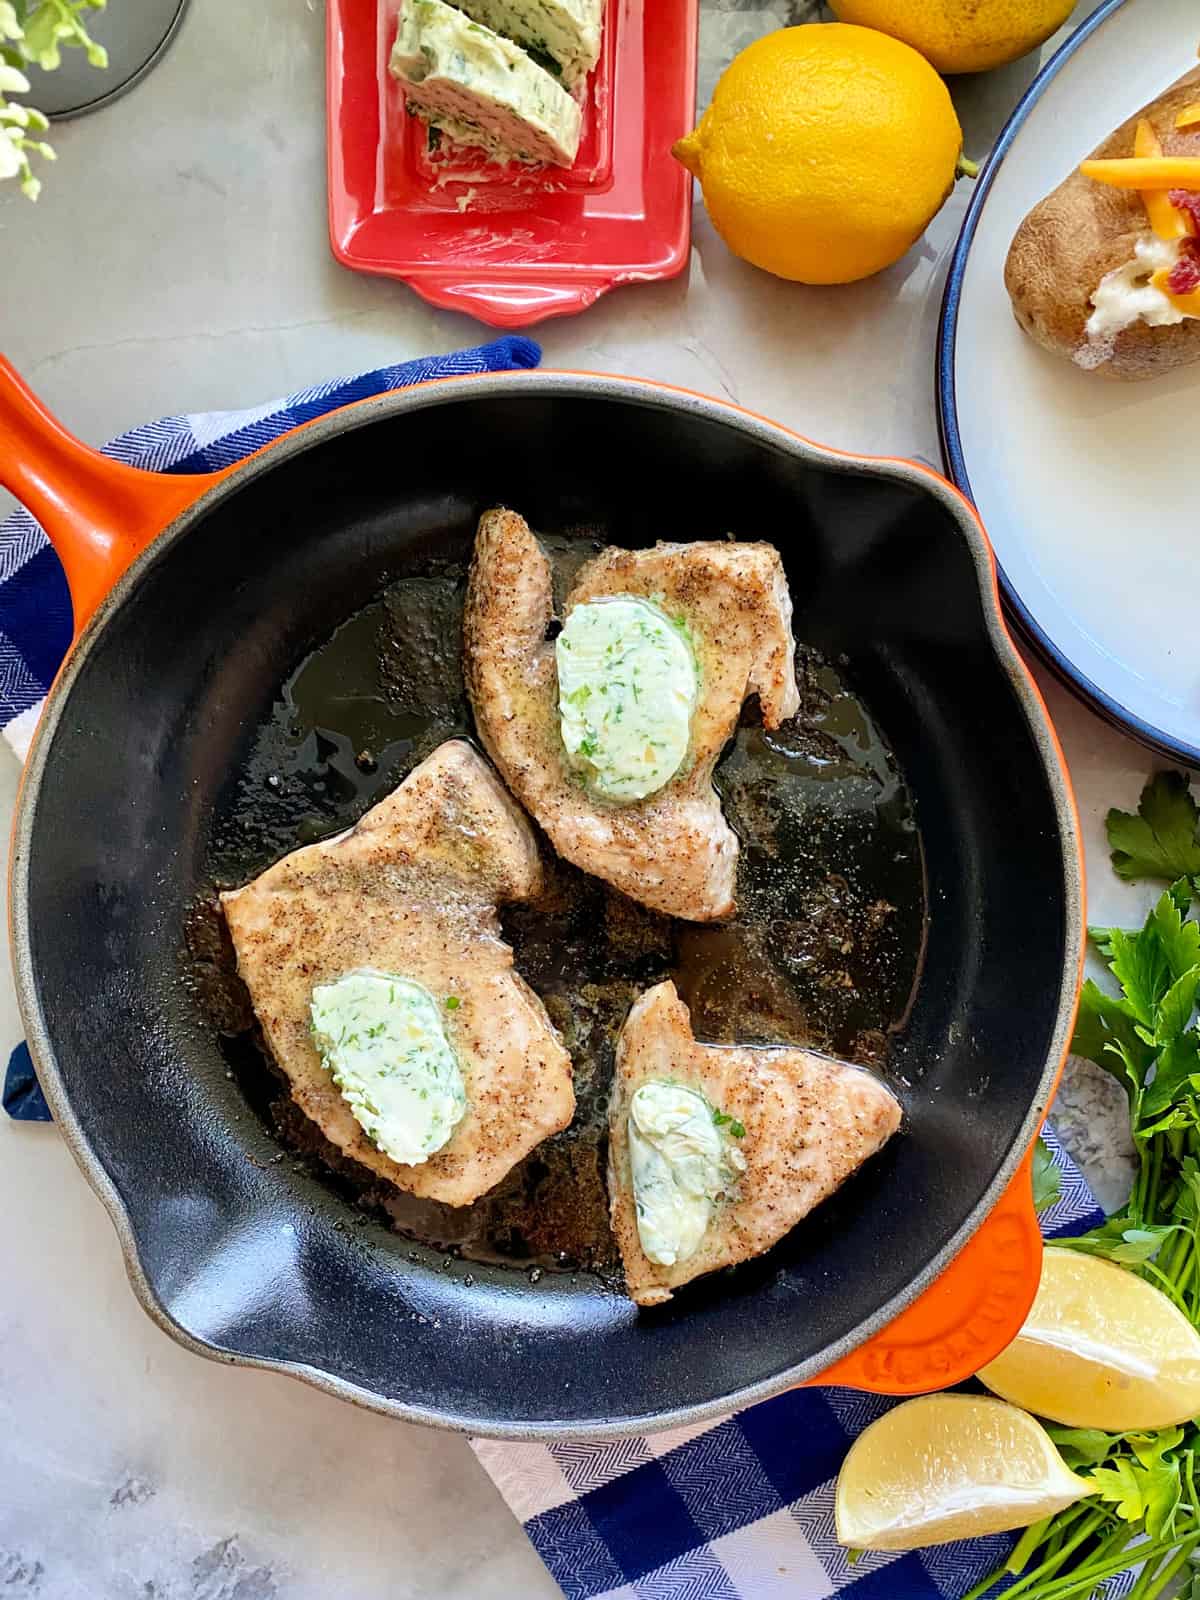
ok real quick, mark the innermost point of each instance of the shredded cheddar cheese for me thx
(1167, 220)
(1146, 172)
(1188, 304)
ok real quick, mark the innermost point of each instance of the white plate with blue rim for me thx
(1089, 488)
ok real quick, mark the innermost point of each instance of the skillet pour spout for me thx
(196, 599)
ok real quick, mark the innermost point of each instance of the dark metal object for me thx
(135, 33)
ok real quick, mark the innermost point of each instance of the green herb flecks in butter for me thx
(681, 1166)
(383, 1039)
(479, 88)
(563, 36)
(627, 688)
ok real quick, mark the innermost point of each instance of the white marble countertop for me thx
(178, 261)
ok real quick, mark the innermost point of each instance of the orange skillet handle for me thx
(98, 514)
(967, 1316)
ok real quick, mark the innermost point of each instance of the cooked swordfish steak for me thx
(376, 968)
(716, 1151)
(609, 733)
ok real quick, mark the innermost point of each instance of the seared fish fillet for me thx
(412, 890)
(673, 850)
(809, 1122)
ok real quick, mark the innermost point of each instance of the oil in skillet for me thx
(824, 951)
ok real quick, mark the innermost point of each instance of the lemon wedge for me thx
(1101, 1348)
(949, 1466)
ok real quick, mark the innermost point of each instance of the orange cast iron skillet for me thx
(195, 597)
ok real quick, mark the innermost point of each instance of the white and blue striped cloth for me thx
(739, 1509)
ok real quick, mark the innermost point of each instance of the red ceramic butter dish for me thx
(505, 244)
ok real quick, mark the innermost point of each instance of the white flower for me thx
(12, 81)
(10, 28)
(11, 159)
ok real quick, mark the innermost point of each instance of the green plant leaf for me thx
(1161, 1492)
(1119, 1486)
(1173, 1073)
(1083, 1447)
(1150, 1448)
(1178, 934)
(1176, 1007)
(42, 33)
(1148, 1493)
(1106, 1034)
(1163, 839)
(1147, 1038)
(1047, 1177)
(1115, 1240)
(1189, 1177)
(1139, 965)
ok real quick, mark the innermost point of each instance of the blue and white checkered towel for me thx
(740, 1509)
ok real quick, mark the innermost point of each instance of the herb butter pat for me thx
(384, 1041)
(627, 688)
(681, 1166)
(562, 35)
(478, 89)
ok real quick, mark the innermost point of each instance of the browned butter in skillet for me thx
(824, 952)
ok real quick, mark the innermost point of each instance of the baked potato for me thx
(1090, 242)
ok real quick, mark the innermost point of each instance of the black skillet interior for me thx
(252, 1255)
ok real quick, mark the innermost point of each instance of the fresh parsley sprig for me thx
(1163, 839)
(1146, 1509)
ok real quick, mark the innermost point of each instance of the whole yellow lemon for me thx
(962, 35)
(825, 152)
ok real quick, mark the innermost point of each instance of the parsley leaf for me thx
(1083, 1447)
(1147, 1036)
(1163, 839)
(1115, 1241)
(1047, 1178)
(1141, 1493)
(452, 1002)
(1179, 937)
(1175, 1009)
(1150, 1448)
(1105, 1033)
(1139, 965)
(1173, 1072)
(722, 1119)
